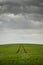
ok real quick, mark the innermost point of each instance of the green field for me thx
(34, 55)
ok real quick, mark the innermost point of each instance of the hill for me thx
(9, 55)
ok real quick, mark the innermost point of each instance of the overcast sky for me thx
(21, 21)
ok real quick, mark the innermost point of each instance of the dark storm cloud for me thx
(31, 14)
(26, 2)
(34, 2)
(20, 6)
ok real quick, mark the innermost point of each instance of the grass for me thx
(34, 55)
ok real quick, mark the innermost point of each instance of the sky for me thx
(21, 21)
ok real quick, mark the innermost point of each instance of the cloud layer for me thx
(20, 6)
(12, 21)
(21, 21)
(18, 37)
(21, 14)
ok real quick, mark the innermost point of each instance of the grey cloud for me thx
(34, 3)
(19, 6)
(26, 2)
(9, 9)
(19, 22)
(19, 9)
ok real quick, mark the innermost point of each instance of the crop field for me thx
(21, 54)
